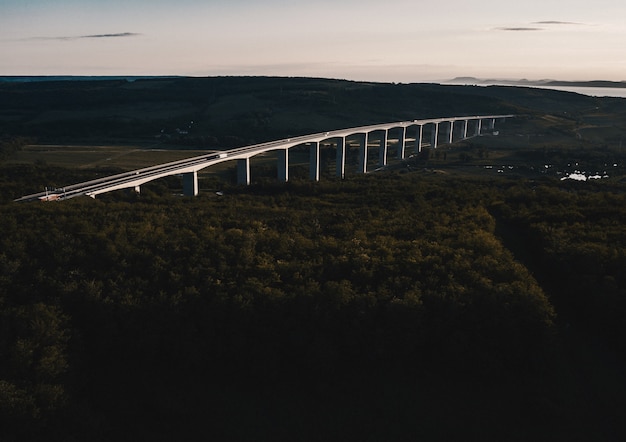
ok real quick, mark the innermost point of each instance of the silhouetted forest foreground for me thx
(400, 305)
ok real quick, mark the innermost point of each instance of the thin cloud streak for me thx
(518, 29)
(121, 34)
(80, 37)
(543, 23)
(556, 22)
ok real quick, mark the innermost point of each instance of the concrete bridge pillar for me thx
(283, 165)
(434, 135)
(363, 154)
(401, 139)
(382, 150)
(479, 124)
(137, 189)
(341, 158)
(491, 124)
(190, 183)
(418, 138)
(465, 124)
(314, 161)
(243, 171)
(450, 132)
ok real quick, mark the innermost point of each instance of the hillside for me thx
(235, 110)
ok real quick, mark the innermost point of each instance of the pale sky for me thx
(383, 40)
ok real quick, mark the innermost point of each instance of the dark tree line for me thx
(381, 307)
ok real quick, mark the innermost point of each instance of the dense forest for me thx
(403, 305)
(384, 307)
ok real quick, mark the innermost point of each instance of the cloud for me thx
(121, 34)
(555, 22)
(79, 37)
(542, 25)
(519, 28)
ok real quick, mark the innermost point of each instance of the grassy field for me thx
(86, 157)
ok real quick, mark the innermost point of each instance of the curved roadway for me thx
(138, 177)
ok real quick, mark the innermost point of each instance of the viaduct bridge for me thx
(408, 134)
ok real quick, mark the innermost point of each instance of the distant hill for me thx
(232, 111)
(38, 78)
(546, 82)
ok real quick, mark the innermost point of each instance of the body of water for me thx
(583, 90)
(591, 91)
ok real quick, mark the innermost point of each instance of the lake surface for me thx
(619, 92)
(592, 91)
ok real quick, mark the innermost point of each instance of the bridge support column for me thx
(491, 124)
(243, 171)
(382, 150)
(283, 165)
(401, 140)
(314, 162)
(363, 154)
(450, 133)
(341, 158)
(190, 183)
(465, 124)
(434, 135)
(137, 189)
(479, 124)
(418, 138)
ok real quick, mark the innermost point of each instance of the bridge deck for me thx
(136, 178)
